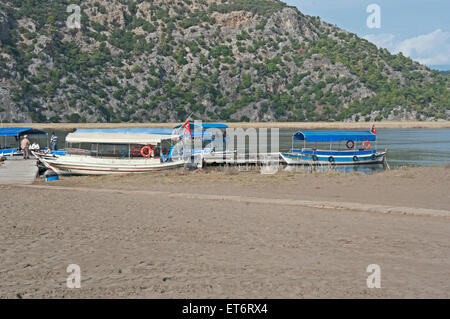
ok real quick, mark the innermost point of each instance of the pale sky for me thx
(419, 29)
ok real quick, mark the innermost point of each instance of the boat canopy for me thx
(204, 125)
(157, 131)
(117, 138)
(20, 131)
(200, 134)
(332, 136)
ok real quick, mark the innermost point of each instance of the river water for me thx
(406, 147)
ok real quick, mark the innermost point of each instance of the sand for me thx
(228, 234)
(285, 125)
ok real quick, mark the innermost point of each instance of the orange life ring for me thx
(136, 151)
(366, 145)
(146, 151)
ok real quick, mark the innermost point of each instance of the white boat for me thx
(114, 152)
(91, 165)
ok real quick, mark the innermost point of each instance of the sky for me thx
(419, 29)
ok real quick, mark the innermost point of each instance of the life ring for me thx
(355, 158)
(350, 144)
(136, 151)
(146, 151)
(331, 159)
(315, 158)
(366, 145)
(373, 157)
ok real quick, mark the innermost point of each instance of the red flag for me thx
(374, 131)
(187, 126)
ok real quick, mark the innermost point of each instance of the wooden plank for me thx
(18, 171)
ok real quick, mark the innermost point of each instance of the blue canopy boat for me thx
(357, 148)
(212, 133)
(10, 139)
(205, 144)
(193, 125)
(206, 131)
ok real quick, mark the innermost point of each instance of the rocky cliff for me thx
(242, 60)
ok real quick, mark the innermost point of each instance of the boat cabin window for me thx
(336, 145)
(116, 150)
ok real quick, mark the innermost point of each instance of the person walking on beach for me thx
(54, 141)
(25, 146)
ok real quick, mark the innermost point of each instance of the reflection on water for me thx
(363, 168)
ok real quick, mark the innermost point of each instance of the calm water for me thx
(420, 147)
(411, 147)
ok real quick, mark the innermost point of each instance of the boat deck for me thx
(18, 171)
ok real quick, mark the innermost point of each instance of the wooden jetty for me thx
(234, 158)
(18, 171)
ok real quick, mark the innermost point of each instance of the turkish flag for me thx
(187, 126)
(374, 131)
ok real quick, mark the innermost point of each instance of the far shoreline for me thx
(283, 125)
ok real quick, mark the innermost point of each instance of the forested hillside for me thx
(228, 60)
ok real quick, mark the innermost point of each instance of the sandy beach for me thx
(226, 234)
(285, 125)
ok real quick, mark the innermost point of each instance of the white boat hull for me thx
(88, 165)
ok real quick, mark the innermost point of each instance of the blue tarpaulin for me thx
(20, 131)
(334, 136)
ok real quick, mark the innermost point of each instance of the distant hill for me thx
(228, 60)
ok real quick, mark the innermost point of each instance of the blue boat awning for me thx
(334, 136)
(20, 131)
(205, 125)
(201, 134)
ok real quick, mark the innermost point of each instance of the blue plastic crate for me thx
(52, 178)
